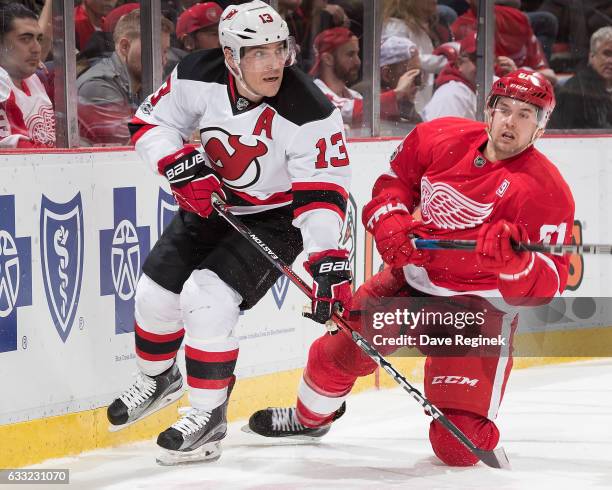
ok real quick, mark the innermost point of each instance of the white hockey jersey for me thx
(288, 150)
(26, 114)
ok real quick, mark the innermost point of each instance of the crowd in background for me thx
(427, 59)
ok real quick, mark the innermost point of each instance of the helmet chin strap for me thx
(238, 76)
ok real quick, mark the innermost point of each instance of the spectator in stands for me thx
(417, 21)
(585, 100)
(88, 19)
(172, 9)
(27, 119)
(198, 27)
(101, 43)
(400, 79)
(337, 65)
(110, 91)
(514, 38)
(455, 93)
(578, 20)
(545, 25)
(316, 16)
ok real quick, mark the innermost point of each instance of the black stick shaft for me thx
(495, 459)
(434, 244)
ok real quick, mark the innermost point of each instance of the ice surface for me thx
(555, 422)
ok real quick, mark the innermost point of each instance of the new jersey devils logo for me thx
(234, 157)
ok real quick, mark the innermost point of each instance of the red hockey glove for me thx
(182, 166)
(391, 224)
(494, 252)
(331, 276)
(191, 181)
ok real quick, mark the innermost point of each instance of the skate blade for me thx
(168, 400)
(205, 453)
(303, 438)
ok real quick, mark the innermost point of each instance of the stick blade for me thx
(495, 459)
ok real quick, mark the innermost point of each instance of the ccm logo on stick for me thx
(454, 380)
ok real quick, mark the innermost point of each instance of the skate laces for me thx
(192, 421)
(142, 389)
(285, 419)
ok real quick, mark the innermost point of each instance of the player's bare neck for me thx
(492, 155)
(246, 94)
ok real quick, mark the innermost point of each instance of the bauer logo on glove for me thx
(181, 166)
(331, 277)
(191, 182)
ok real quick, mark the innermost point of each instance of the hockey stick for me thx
(433, 244)
(495, 459)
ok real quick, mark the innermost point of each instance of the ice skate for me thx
(146, 396)
(283, 422)
(195, 437)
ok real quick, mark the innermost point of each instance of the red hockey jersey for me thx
(440, 167)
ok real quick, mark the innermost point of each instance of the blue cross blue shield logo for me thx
(10, 274)
(61, 251)
(122, 253)
(15, 274)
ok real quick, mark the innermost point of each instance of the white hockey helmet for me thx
(253, 24)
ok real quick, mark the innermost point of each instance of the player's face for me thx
(513, 124)
(262, 67)
(347, 61)
(20, 50)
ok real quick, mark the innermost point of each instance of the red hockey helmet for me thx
(526, 86)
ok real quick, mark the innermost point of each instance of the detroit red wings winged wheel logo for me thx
(449, 209)
(234, 157)
(41, 126)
